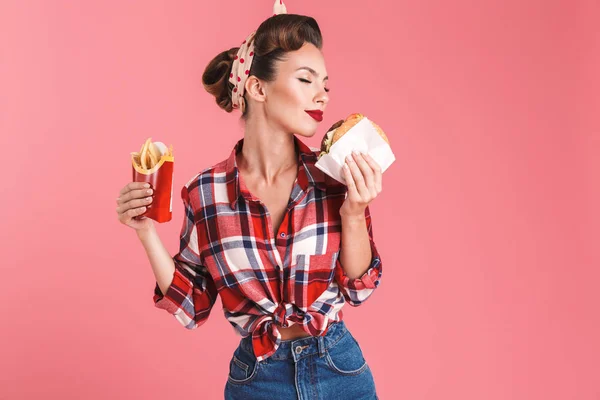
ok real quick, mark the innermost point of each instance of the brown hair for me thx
(274, 37)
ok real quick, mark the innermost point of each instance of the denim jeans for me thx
(328, 367)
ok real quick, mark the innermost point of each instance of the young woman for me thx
(283, 244)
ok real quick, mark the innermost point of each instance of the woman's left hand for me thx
(363, 179)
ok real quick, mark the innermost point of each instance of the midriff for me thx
(292, 332)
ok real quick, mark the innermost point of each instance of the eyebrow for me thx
(312, 71)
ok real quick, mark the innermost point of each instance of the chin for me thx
(304, 134)
(307, 130)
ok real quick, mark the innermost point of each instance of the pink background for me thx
(488, 223)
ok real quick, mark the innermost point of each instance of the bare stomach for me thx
(292, 332)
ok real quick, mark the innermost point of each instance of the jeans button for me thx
(298, 349)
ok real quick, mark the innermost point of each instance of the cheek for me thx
(293, 97)
(289, 104)
(288, 107)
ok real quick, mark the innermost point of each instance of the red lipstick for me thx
(316, 114)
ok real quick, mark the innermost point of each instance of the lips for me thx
(316, 114)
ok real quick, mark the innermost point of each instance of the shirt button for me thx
(282, 234)
(298, 349)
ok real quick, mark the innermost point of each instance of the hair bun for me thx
(215, 78)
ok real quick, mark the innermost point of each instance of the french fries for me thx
(149, 155)
(154, 164)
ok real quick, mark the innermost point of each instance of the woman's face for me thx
(300, 86)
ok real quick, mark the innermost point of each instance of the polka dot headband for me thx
(240, 70)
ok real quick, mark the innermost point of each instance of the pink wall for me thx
(486, 224)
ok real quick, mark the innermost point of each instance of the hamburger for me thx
(341, 127)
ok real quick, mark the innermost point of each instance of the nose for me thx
(322, 97)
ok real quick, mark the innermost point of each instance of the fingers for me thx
(146, 201)
(377, 174)
(363, 176)
(352, 192)
(131, 213)
(134, 194)
(126, 213)
(132, 186)
(368, 175)
(134, 200)
(356, 173)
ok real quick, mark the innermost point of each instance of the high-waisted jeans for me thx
(326, 367)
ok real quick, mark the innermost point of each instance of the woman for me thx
(283, 244)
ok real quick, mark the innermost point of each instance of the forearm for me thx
(161, 261)
(355, 254)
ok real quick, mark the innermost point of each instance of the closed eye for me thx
(307, 81)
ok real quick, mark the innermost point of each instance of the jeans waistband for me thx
(303, 347)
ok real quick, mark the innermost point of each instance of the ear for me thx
(255, 89)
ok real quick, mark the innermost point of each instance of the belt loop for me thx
(321, 345)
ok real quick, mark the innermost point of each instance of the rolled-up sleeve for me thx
(356, 291)
(192, 293)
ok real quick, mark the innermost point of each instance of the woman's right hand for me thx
(134, 199)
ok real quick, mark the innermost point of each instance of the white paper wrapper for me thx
(362, 137)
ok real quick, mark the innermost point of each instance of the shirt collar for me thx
(308, 174)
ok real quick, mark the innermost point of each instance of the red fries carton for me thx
(154, 164)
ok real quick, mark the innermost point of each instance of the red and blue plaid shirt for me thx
(265, 282)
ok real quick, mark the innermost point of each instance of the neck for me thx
(267, 153)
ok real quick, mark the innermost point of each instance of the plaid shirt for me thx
(265, 282)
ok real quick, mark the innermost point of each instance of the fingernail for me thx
(349, 158)
(146, 185)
